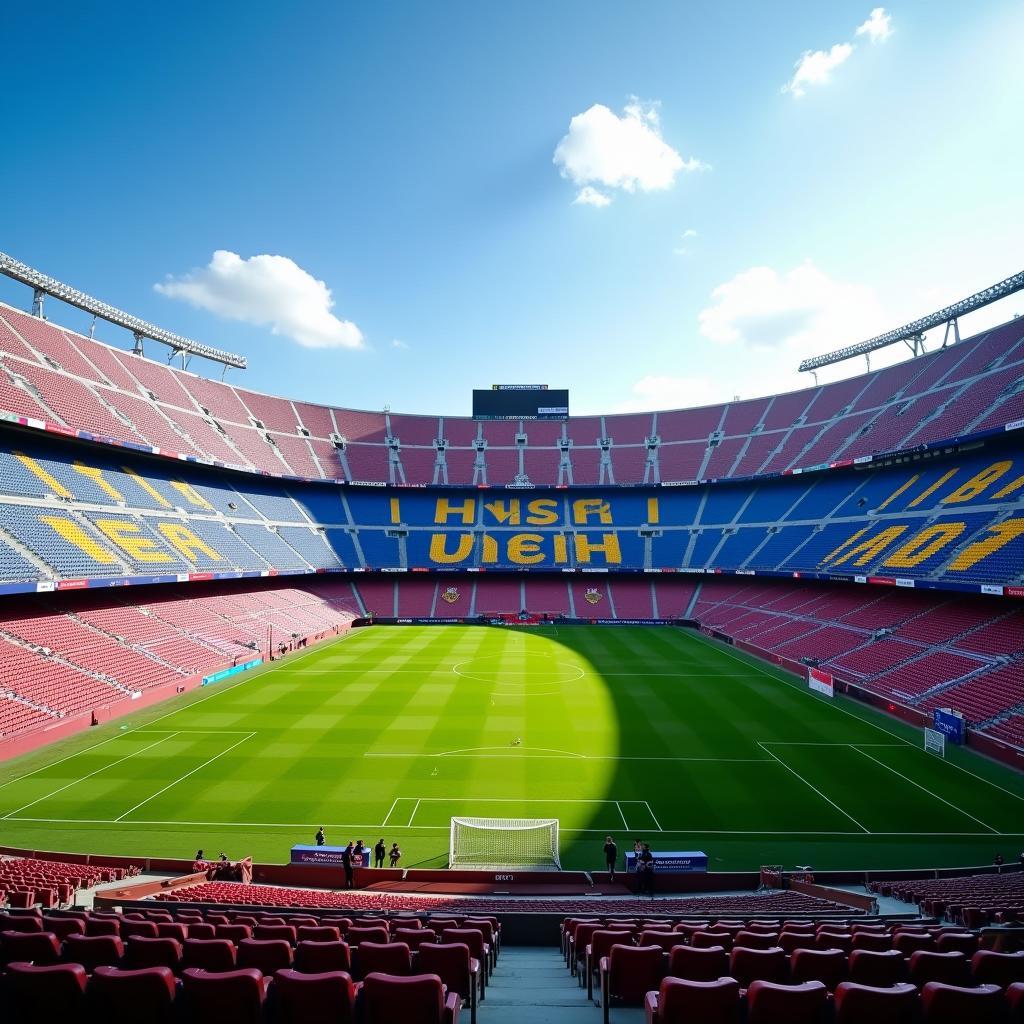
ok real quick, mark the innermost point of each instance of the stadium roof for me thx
(914, 331)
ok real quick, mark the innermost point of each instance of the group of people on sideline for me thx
(644, 863)
(356, 855)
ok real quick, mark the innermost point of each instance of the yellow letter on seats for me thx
(130, 537)
(444, 509)
(924, 545)
(440, 555)
(182, 538)
(1000, 535)
(74, 534)
(609, 546)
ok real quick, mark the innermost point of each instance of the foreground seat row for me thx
(63, 992)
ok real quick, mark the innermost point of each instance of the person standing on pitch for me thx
(611, 856)
(320, 837)
(396, 855)
(379, 853)
(346, 863)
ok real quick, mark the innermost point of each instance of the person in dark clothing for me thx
(346, 863)
(645, 869)
(396, 855)
(359, 855)
(321, 839)
(611, 856)
(199, 855)
(380, 851)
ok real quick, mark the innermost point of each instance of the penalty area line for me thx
(816, 790)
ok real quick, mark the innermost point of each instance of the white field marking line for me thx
(413, 815)
(816, 790)
(188, 732)
(846, 711)
(653, 818)
(925, 789)
(390, 811)
(53, 764)
(622, 816)
(562, 757)
(185, 776)
(788, 743)
(445, 828)
(82, 778)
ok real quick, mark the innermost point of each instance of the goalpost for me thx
(501, 843)
(935, 742)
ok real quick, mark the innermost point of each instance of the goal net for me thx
(504, 843)
(935, 742)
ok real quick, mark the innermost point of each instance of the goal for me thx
(500, 843)
(935, 742)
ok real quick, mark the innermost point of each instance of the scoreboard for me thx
(520, 402)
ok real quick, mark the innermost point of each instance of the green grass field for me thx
(648, 732)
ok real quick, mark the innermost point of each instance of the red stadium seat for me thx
(1002, 969)
(628, 973)
(693, 964)
(1015, 1002)
(825, 965)
(92, 951)
(771, 1003)
(265, 955)
(459, 971)
(420, 999)
(30, 947)
(950, 1004)
(143, 952)
(322, 957)
(322, 998)
(706, 939)
(317, 933)
(878, 970)
(862, 1004)
(679, 1001)
(118, 996)
(749, 965)
(40, 994)
(949, 968)
(62, 927)
(235, 996)
(383, 958)
(209, 954)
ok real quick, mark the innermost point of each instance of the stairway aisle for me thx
(532, 984)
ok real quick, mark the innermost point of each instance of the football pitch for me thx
(651, 733)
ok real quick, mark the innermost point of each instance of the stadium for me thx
(663, 661)
(727, 628)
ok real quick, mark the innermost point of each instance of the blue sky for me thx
(403, 154)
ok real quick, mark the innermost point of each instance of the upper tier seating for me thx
(50, 374)
(68, 511)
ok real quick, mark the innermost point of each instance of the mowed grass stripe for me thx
(662, 718)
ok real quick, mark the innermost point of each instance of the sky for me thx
(386, 205)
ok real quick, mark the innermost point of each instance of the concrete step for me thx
(534, 984)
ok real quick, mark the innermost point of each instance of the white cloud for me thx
(878, 27)
(589, 196)
(263, 290)
(627, 152)
(797, 312)
(398, 343)
(815, 67)
(690, 233)
(662, 391)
